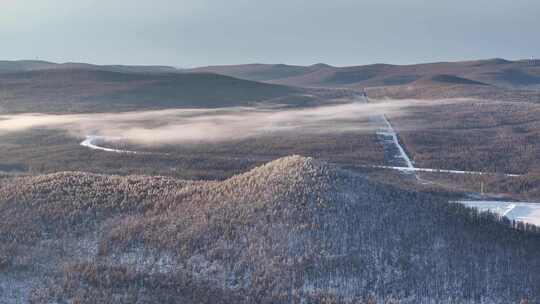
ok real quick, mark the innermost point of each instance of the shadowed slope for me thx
(83, 90)
(454, 80)
(259, 72)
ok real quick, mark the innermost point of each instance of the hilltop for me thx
(295, 228)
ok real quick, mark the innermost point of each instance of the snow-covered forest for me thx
(293, 231)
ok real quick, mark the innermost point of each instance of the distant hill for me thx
(36, 65)
(447, 86)
(41, 86)
(89, 90)
(497, 72)
(261, 72)
(292, 231)
(451, 79)
(24, 65)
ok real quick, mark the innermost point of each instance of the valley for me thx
(150, 184)
(269, 152)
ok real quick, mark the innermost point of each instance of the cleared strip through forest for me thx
(389, 131)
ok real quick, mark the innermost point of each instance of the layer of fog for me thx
(210, 125)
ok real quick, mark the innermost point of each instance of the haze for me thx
(190, 33)
(215, 125)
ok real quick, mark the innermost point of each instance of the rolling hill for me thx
(497, 72)
(89, 90)
(7, 66)
(80, 87)
(261, 72)
(293, 230)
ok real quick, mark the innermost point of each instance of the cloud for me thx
(213, 125)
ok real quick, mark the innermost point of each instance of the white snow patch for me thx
(391, 132)
(518, 211)
(147, 260)
(408, 169)
(91, 142)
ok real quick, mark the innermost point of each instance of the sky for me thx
(188, 33)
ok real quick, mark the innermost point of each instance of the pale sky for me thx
(187, 33)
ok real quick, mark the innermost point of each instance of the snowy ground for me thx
(409, 169)
(15, 287)
(519, 211)
(390, 135)
(92, 142)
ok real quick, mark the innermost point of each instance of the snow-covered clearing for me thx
(392, 133)
(409, 169)
(519, 211)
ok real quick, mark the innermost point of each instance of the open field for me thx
(517, 211)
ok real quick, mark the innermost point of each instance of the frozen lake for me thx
(519, 211)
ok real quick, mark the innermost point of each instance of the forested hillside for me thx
(497, 72)
(294, 230)
(89, 90)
